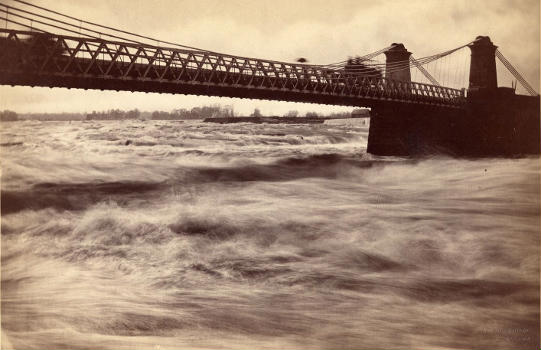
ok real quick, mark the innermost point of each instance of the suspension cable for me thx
(26, 26)
(515, 73)
(65, 23)
(109, 28)
(424, 71)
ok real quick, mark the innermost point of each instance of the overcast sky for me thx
(322, 31)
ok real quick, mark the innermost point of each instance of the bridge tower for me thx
(483, 65)
(397, 53)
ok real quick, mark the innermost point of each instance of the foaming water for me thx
(122, 235)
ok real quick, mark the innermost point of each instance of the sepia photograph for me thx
(270, 174)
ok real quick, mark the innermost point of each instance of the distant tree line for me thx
(8, 116)
(355, 113)
(213, 111)
(114, 114)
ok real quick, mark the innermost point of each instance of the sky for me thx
(320, 30)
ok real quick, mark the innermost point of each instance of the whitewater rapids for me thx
(167, 234)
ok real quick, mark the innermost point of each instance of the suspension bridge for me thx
(43, 47)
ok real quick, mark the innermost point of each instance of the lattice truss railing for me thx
(50, 54)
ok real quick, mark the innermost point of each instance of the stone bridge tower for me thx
(393, 56)
(483, 65)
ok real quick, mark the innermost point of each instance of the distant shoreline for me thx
(270, 120)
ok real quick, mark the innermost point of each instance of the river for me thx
(167, 234)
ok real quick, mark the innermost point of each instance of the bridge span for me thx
(52, 60)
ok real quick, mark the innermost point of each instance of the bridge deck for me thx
(37, 59)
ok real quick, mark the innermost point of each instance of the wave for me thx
(11, 144)
(79, 196)
(71, 196)
(293, 168)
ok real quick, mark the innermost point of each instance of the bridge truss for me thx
(45, 59)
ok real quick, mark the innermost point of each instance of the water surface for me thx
(163, 234)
